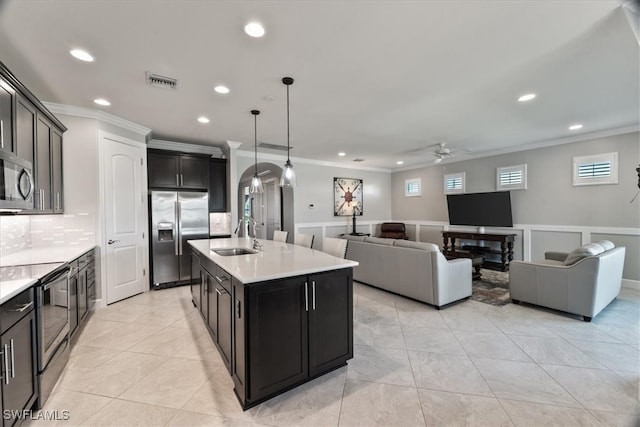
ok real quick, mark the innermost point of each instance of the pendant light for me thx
(288, 178)
(256, 182)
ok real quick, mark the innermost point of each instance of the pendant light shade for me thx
(288, 178)
(256, 182)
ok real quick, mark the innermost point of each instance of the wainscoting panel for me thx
(557, 241)
(632, 252)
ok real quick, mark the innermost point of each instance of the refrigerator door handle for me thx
(180, 229)
(177, 226)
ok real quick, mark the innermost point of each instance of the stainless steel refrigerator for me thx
(176, 216)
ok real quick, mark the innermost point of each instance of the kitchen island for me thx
(279, 316)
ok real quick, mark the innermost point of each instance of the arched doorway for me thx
(271, 210)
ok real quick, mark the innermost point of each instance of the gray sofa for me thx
(413, 269)
(583, 281)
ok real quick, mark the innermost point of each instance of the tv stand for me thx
(505, 252)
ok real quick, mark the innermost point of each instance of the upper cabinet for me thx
(217, 185)
(7, 116)
(177, 171)
(32, 133)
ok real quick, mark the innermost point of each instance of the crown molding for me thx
(297, 160)
(234, 145)
(162, 144)
(90, 113)
(532, 146)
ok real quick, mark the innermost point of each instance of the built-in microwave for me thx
(16, 183)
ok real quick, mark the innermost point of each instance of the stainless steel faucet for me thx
(249, 220)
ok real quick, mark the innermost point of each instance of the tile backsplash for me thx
(19, 232)
(219, 223)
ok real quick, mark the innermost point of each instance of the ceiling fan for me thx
(442, 152)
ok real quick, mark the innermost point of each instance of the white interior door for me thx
(125, 218)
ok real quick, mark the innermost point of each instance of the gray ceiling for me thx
(379, 80)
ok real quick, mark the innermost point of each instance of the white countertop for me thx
(45, 255)
(11, 288)
(276, 261)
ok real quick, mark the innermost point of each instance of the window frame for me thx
(408, 182)
(510, 169)
(612, 178)
(458, 175)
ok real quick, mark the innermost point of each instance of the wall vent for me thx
(358, 160)
(273, 146)
(161, 81)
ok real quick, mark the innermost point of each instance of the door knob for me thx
(111, 242)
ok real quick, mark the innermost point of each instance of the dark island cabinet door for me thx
(238, 363)
(212, 301)
(196, 279)
(330, 320)
(194, 172)
(225, 313)
(163, 170)
(278, 336)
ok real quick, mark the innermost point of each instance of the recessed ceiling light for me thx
(342, 154)
(101, 101)
(254, 29)
(399, 162)
(221, 89)
(82, 55)
(203, 119)
(575, 127)
(527, 97)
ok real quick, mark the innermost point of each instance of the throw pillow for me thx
(590, 249)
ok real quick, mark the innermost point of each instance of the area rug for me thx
(492, 288)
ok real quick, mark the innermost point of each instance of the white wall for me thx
(551, 214)
(315, 187)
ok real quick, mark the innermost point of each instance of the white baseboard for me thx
(631, 284)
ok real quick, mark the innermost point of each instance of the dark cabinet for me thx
(196, 280)
(56, 170)
(7, 116)
(32, 133)
(91, 279)
(238, 366)
(17, 356)
(217, 185)
(48, 167)
(42, 166)
(25, 129)
(330, 320)
(276, 319)
(316, 312)
(177, 171)
(73, 299)
(219, 306)
(82, 295)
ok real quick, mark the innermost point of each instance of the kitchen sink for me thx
(234, 251)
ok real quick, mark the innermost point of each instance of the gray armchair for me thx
(582, 282)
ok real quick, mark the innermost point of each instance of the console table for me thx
(505, 252)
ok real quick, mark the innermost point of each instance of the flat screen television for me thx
(480, 209)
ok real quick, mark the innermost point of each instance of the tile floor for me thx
(149, 361)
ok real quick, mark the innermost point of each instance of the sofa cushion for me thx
(606, 244)
(590, 249)
(429, 247)
(379, 241)
(356, 238)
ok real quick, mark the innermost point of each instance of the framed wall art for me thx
(347, 196)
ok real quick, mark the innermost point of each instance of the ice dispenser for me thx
(165, 231)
